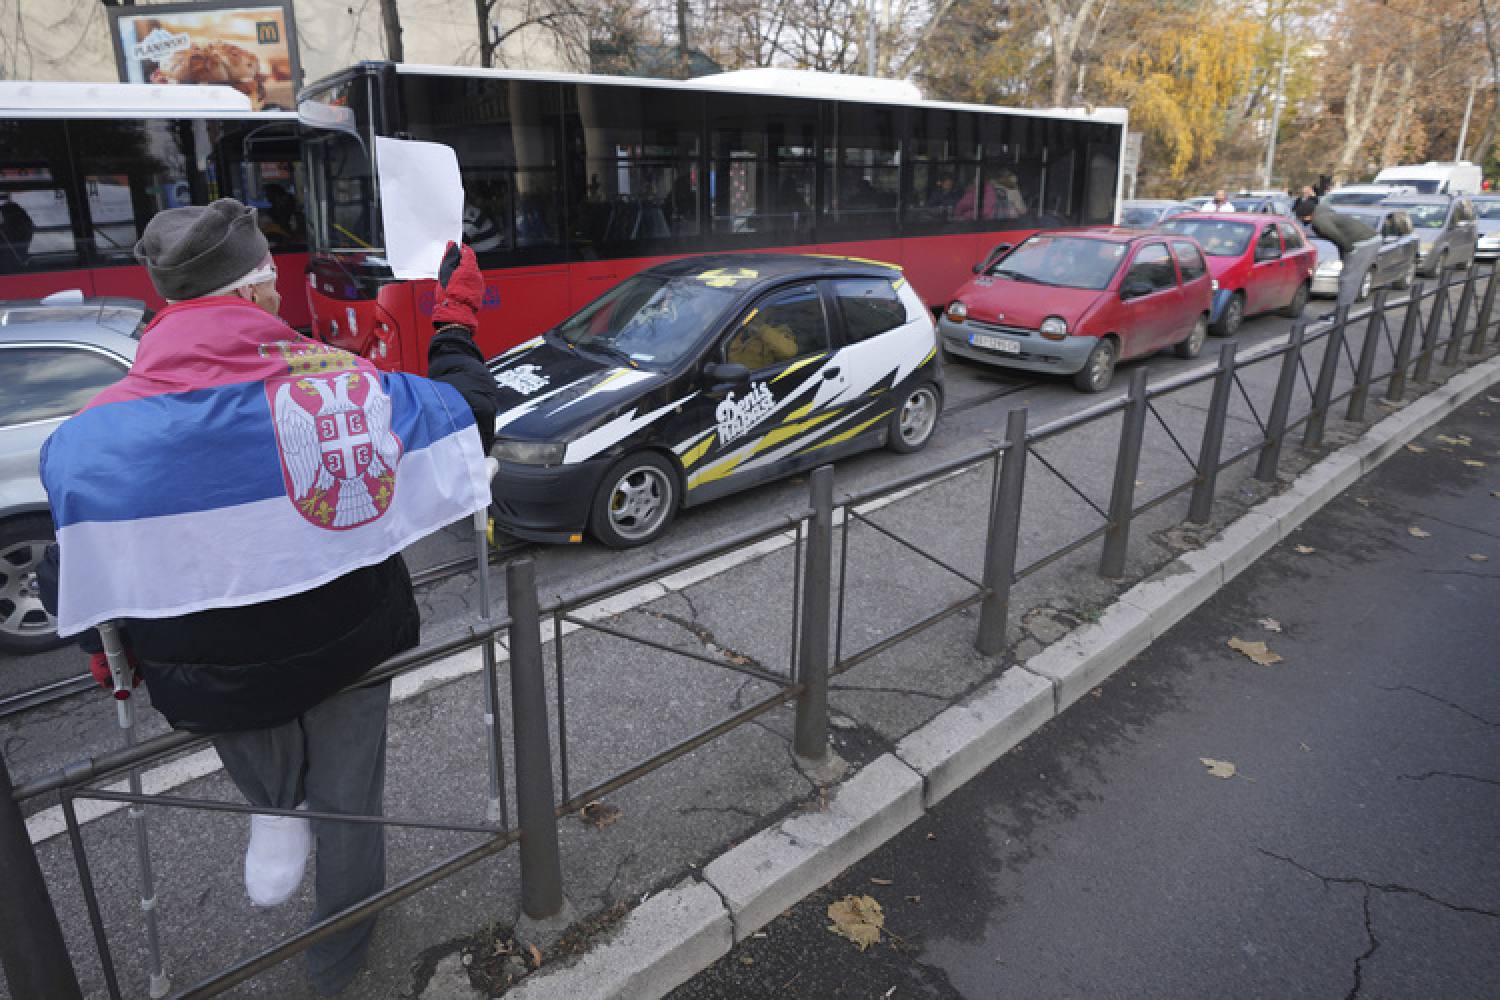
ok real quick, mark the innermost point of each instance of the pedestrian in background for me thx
(240, 502)
(1357, 245)
(1305, 203)
(1221, 202)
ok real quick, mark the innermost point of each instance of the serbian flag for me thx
(239, 462)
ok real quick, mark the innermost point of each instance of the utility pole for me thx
(1276, 111)
(1463, 133)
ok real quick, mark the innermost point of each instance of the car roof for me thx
(773, 266)
(111, 323)
(1252, 217)
(1419, 199)
(1112, 234)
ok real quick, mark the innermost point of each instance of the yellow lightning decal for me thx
(797, 366)
(780, 434)
(698, 450)
(714, 472)
(847, 434)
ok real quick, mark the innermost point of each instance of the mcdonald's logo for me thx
(268, 32)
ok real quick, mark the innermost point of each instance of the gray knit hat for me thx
(192, 251)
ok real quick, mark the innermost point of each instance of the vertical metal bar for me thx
(541, 865)
(1460, 320)
(32, 950)
(1397, 387)
(1482, 328)
(1004, 536)
(797, 603)
(810, 741)
(1201, 506)
(1374, 330)
(562, 706)
(843, 597)
(495, 808)
(1317, 418)
(1127, 464)
(1281, 405)
(90, 896)
(1430, 334)
(124, 677)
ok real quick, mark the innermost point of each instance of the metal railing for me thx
(1257, 390)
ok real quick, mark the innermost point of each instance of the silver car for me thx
(1487, 221)
(1143, 213)
(1395, 263)
(1445, 226)
(55, 355)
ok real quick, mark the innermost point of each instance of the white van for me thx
(1436, 177)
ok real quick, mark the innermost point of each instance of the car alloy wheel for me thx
(913, 422)
(1190, 347)
(25, 626)
(1099, 368)
(636, 501)
(1234, 316)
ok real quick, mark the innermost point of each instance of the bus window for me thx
(944, 156)
(864, 171)
(762, 171)
(261, 165)
(339, 149)
(37, 222)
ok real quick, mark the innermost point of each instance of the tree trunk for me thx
(391, 18)
(1066, 28)
(1357, 125)
(486, 36)
(1391, 151)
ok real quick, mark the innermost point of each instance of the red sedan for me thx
(1260, 263)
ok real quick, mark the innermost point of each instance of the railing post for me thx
(1397, 387)
(1281, 405)
(1460, 320)
(810, 737)
(495, 809)
(1374, 328)
(32, 950)
(1004, 536)
(1127, 463)
(1482, 328)
(1423, 371)
(541, 865)
(1201, 506)
(1317, 417)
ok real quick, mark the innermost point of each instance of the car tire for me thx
(25, 626)
(1189, 348)
(913, 422)
(1096, 372)
(636, 501)
(1294, 308)
(1408, 275)
(1232, 318)
(1440, 265)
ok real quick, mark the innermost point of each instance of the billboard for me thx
(251, 47)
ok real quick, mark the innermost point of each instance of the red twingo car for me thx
(1259, 263)
(1075, 301)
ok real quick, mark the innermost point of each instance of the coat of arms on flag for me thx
(338, 452)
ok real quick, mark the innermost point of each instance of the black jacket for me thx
(262, 665)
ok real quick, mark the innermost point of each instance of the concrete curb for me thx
(753, 882)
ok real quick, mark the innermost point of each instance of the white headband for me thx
(265, 272)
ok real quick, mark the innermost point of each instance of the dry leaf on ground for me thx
(1462, 439)
(1218, 768)
(1473, 464)
(1416, 448)
(1476, 557)
(601, 814)
(1257, 651)
(858, 918)
(1417, 532)
(1305, 550)
(1269, 624)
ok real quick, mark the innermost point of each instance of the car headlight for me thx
(530, 452)
(1054, 328)
(957, 311)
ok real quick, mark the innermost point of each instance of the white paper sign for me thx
(421, 202)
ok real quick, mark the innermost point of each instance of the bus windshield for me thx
(339, 150)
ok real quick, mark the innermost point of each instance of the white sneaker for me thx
(277, 857)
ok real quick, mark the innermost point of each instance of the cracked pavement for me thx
(1351, 855)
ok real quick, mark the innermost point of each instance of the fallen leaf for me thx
(1256, 651)
(913, 899)
(881, 881)
(601, 814)
(1416, 448)
(1462, 439)
(1492, 399)
(858, 918)
(1495, 493)
(1219, 768)
(1417, 532)
(1473, 464)
(1269, 624)
(1305, 748)
(1362, 501)
(536, 958)
(1476, 557)
(1305, 550)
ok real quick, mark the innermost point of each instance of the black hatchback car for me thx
(703, 376)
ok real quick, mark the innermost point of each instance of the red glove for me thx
(463, 289)
(99, 667)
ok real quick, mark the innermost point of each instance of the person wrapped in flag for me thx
(240, 502)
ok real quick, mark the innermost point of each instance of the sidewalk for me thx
(711, 847)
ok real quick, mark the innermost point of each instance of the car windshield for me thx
(1140, 216)
(1220, 238)
(1247, 204)
(1063, 261)
(1488, 208)
(1375, 220)
(1354, 197)
(649, 319)
(1427, 216)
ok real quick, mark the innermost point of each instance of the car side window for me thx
(1291, 236)
(870, 306)
(1189, 260)
(44, 383)
(789, 324)
(1268, 246)
(1153, 266)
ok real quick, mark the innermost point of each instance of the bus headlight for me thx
(1054, 328)
(530, 452)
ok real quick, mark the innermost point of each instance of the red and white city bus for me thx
(84, 167)
(574, 182)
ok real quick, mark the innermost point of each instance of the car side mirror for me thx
(723, 377)
(1135, 289)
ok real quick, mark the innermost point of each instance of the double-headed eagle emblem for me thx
(342, 445)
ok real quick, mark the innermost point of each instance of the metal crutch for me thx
(122, 675)
(496, 810)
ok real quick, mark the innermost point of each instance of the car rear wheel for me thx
(637, 500)
(1099, 368)
(1299, 301)
(1232, 318)
(1408, 275)
(1190, 347)
(913, 422)
(25, 626)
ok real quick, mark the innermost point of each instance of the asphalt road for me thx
(1351, 852)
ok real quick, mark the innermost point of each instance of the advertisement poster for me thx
(248, 46)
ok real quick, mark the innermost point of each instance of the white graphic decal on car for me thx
(524, 379)
(737, 417)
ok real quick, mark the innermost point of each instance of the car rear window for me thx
(1189, 260)
(871, 306)
(44, 383)
(1218, 238)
